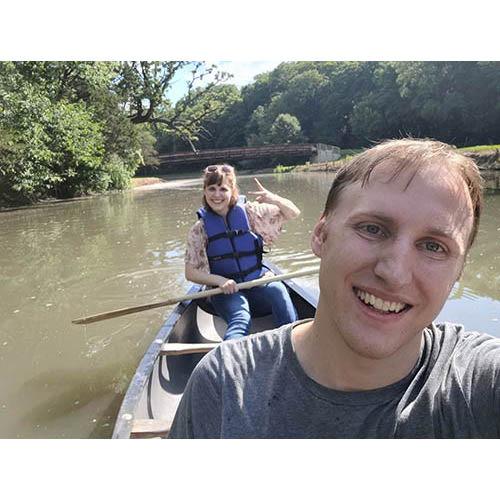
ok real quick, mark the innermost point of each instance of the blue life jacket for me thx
(233, 250)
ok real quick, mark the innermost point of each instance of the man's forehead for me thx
(433, 174)
(427, 183)
(392, 171)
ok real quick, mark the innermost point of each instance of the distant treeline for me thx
(352, 104)
(72, 128)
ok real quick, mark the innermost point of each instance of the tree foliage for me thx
(353, 104)
(143, 87)
(55, 148)
(72, 128)
(285, 130)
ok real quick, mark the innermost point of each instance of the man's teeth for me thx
(377, 303)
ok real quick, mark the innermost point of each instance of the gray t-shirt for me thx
(255, 388)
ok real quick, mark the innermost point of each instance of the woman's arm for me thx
(196, 267)
(204, 278)
(286, 206)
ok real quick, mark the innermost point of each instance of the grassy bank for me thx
(480, 149)
(346, 154)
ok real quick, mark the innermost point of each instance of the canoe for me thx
(189, 332)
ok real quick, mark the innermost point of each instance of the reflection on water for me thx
(74, 259)
(475, 299)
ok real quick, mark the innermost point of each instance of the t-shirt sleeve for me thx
(265, 219)
(196, 244)
(199, 411)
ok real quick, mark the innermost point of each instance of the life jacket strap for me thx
(241, 275)
(231, 255)
(227, 234)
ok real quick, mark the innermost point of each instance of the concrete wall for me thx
(324, 153)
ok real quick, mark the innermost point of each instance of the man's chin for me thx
(384, 349)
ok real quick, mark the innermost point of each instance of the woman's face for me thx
(218, 197)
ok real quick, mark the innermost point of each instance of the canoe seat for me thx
(150, 428)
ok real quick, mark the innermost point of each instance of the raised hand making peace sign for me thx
(263, 195)
(287, 207)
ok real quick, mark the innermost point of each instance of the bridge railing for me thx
(239, 153)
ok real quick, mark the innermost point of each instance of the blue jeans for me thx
(237, 308)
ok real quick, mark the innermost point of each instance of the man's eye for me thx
(371, 229)
(433, 246)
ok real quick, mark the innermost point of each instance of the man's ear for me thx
(318, 237)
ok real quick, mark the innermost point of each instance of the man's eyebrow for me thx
(441, 232)
(376, 215)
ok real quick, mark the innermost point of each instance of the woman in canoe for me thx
(224, 247)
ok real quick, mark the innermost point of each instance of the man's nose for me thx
(395, 264)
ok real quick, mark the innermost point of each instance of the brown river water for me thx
(67, 260)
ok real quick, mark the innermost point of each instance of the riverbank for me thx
(140, 182)
(486, 159)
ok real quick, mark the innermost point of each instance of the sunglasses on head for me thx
(223, 168)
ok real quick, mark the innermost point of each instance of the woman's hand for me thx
(287, 207)
(228, 286)
(203, 278)
(263, 194)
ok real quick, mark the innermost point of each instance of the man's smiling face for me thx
(390, 253)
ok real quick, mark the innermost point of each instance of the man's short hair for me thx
(410, 154)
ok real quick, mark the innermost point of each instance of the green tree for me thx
(224, 128)
(67, 133)
(352, 104)
(143, 88)
(301, 99)
(285, 130)
(54, 148)
(258, 127)
(380, 112)
(209, 107)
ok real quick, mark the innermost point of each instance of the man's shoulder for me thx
(468, 346)
(457, 333)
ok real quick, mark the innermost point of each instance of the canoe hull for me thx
(158, 384)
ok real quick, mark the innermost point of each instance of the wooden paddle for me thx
(199, 295)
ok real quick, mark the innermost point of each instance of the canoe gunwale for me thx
(304, 293)
(124, 420)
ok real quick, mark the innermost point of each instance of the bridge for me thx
(317, 153)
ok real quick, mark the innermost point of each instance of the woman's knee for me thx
(277, 290)
(232, 307)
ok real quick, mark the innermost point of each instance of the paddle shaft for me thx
(200, 295)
